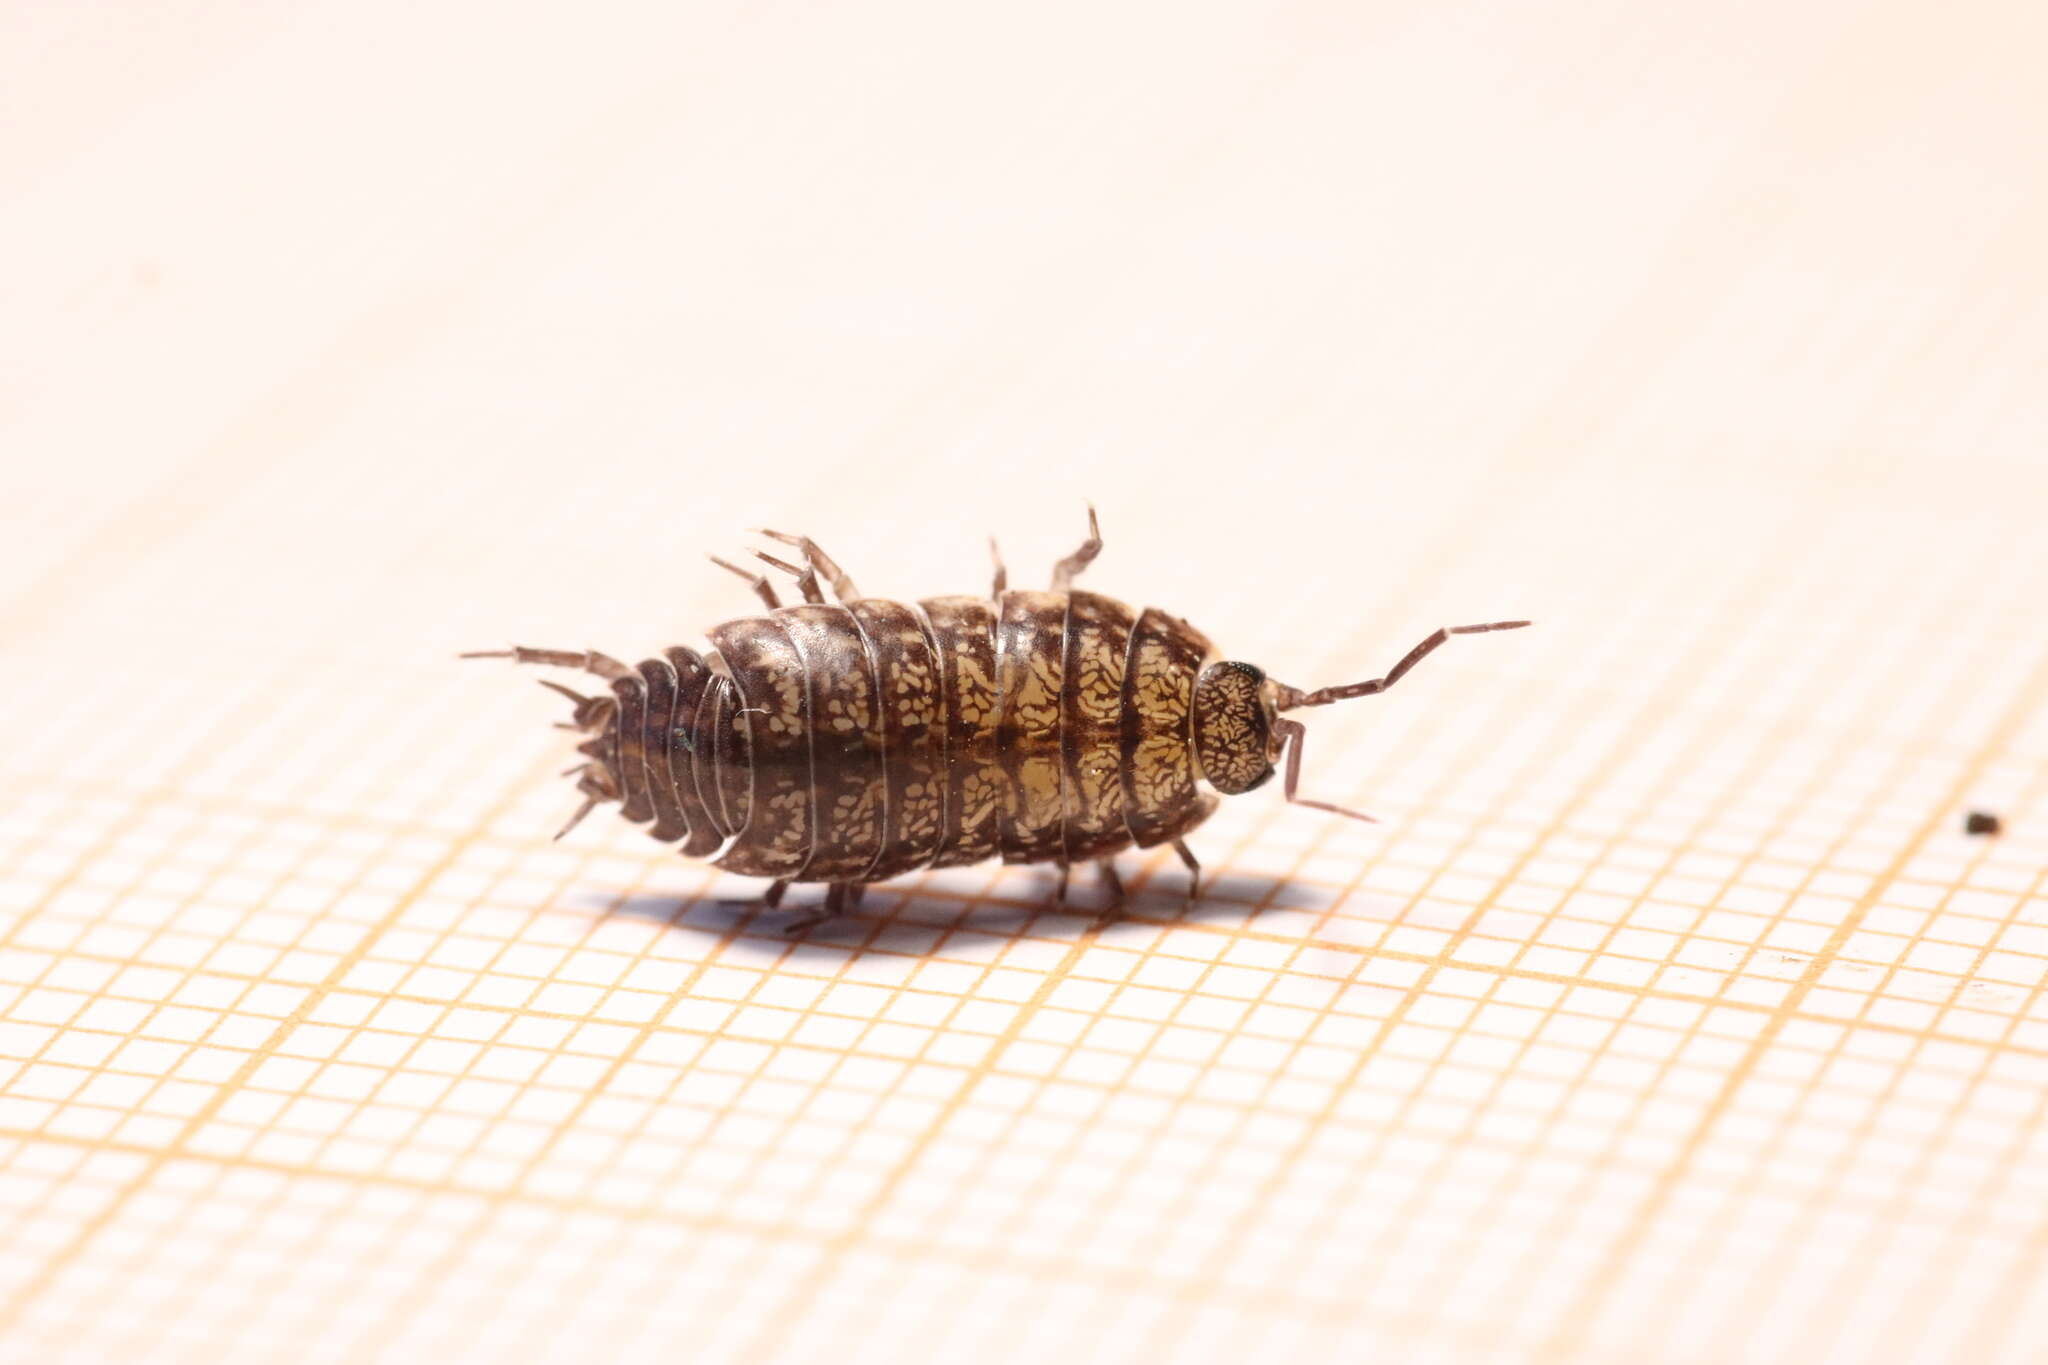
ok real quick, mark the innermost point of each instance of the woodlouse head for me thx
(1233, 724)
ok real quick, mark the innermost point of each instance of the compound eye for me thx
(1231, 727)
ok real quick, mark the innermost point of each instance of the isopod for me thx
(851, 741)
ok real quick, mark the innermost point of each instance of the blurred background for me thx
(1668, 1014)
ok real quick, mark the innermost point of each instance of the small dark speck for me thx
(1982, 822)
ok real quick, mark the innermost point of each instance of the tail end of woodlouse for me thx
(591, 712)
(593, 716)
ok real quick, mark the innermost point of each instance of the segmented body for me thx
(855, 742)
(851, 742)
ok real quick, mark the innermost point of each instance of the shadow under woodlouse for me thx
(915, 918)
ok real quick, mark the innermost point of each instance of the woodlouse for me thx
(854, 741)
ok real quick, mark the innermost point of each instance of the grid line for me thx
(1578, 1317)
(761, 1348)
(54, 1265)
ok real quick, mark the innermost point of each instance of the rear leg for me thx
(819, 561)
(758, 582)
(1113, 884)
(1002, 578)
(806, 577)
(770, 898)
(1059, 891)
(1194, 866)
(834, 906)
(1067, 570)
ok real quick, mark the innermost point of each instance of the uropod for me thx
(850, 741)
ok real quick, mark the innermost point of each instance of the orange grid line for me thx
(1576, 1320)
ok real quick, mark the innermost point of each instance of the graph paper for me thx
(1667, 1014)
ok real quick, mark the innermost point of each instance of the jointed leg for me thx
(835, 903)
(592, 713)
(1002, 574)
(759, 582)
(1323, 696)
(772, 897)
(806, 577)
(1194, 866)
(1067, 570)
(1059, 893)
(588, 660)
(589, 804)
(842, 584)
(1105, 869)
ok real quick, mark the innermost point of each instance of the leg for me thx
(1194, 866)
(771, 897)
(588, 660)
(759, 583)
(835, 903)
(589, 804)
(1291, 732)
(842, 584)
(1292, 697)
(1059, 894)
(591, 712)
(1105, 870)
(1067, 570)
(806, 578)
(1002, 574)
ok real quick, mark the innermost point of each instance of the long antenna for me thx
(1291, 697)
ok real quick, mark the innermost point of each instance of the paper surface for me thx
(1668, 1015)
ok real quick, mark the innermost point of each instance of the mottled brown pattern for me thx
(847, 787)
(777, 839)
(913, 734)
(1098, 638)
(963, 635)
(850, 743)
(1231, 728)
(1030, 643)
(1161, 801)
